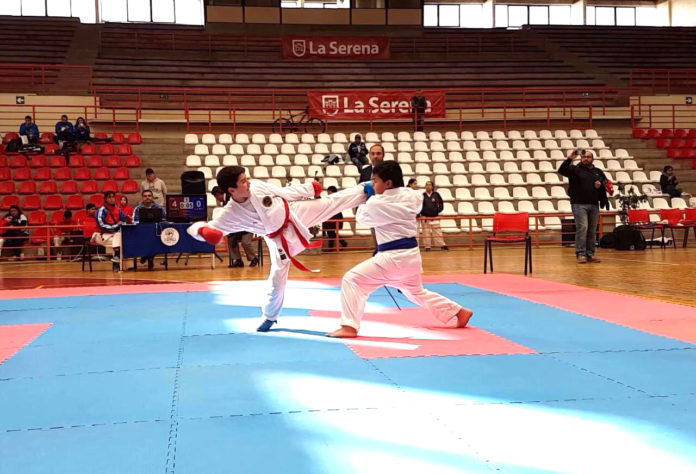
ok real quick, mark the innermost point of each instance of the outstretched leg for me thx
(316, 211)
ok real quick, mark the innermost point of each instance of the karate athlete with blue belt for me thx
(392, 213)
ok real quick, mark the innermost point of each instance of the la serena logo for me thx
(301, 47)
(333, 104)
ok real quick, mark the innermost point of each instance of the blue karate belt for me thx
(398, 244)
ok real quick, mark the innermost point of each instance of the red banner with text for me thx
(334, 47)
(374, 104)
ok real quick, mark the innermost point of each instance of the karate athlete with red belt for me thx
(282, 216)
(397, 263)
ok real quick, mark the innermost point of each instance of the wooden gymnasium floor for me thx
(662, 274)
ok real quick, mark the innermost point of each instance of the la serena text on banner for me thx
(335, 47)
(374, 104)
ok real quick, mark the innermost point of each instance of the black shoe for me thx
(236, 263)
(343, 243)
(265, 326)
(427, 249)
(444, 247)
(151, 264)
(142, 260)
(254, 262)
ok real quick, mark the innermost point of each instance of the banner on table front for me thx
(335, 47)
(375, 104)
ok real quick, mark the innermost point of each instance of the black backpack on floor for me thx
(628, 237)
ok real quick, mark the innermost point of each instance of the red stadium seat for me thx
(21, 174)
(106, 149)
(117, 137)
(80, 215)
(27, 187)
(37, 218)
(38, 161)
(76, 161)
(4, 162)
(46, 137)
(673, 153)
(97, 199)
(687, 153)
(31, 203)
(692, 133)
(638, 133)
(129, 187)
(42, 174)
(53, 202)
(100, 136)
(109, 186)
(7, 187)
(690, 143)
(132, 161)
(56, 217)
(121, 173)
(652, 133)
(666, 133)
(89, 187)
(134, 138)
(5, 174)
(82, 174)
(100, 174)
(88, 149)
(9, 137)
(8, 201)
(49, 187)
(124, 149)
(64, 173)
(676, 143)
(56, 161)
(51, 148)
(679, 133)
(18, 161)
(113, 161)
(95, 161)
(69, 187)
(662, 143)
(75, 202)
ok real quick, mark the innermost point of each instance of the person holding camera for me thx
(587, 190)
(357, 151)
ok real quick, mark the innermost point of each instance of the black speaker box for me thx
(193, 182)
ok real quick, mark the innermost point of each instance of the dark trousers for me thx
(233, 241)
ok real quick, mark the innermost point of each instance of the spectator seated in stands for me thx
(127, 210)
(669, 182)
(331, 228)
(29, 130)
(82, 133)
(147, 203)
(154, 184)
(67, 236)
(14, 232)
(64, 131)
(357, 151)
(109, 220)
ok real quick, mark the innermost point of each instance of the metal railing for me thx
(663, 116)
(662, 81)
(61, 79)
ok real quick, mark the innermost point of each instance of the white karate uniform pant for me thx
(400, 269)
(310, 213)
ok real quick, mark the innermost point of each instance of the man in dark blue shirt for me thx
(64, 130)
(29, 130)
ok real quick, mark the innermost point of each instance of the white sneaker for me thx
(115, 259)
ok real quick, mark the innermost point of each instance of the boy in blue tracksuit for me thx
(64, 130)
(29, 130)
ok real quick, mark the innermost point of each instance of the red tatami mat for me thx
(14, 337)
(412, 332)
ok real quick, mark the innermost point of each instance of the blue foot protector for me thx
(265, 326)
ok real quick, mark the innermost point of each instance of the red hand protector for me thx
(317, 188)
(212, 236)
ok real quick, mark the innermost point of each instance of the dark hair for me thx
(61, 117)
(667, 168)
(67, 214)
(90, 205)
(217, 190)
(109, 193)
(83, 119)
(146, 191)
(332, 188)
(227, 177)
(379, 145)
(411, 181)
(28, 117)
(15, 206)
(357, 135)
(389, 170)
(149, 171)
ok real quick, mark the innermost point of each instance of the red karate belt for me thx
(284, 242)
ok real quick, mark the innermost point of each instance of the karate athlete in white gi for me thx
(392, 213)
(282, 216)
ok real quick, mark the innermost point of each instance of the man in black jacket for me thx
(586, 190)
(418, 105)
(432, 206)
(376, 156)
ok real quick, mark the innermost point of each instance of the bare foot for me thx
(463, 317)
(344, 332)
